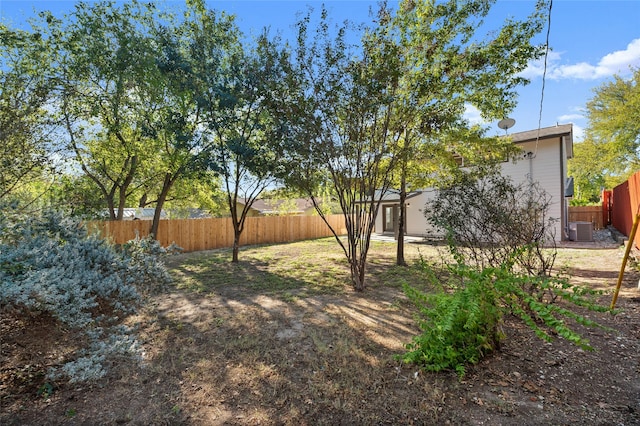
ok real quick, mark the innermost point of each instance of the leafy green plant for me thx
(457, 328)
(462, 325)
(48, 263)
(46, 390)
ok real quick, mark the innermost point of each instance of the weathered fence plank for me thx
(591, 214)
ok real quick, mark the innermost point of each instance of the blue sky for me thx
(591, 40)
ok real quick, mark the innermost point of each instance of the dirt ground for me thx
(235, 354)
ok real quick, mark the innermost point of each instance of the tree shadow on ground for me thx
(221, 350)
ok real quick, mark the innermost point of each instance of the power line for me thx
(544, 75)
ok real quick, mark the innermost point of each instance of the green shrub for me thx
(457, 328)
(491, 221)
(462, 325)
(48, 263)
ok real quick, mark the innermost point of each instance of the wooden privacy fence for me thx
(206, 234)
(591, 214)
(625, 204)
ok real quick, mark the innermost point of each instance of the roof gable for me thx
(268, 206)
(563, 132)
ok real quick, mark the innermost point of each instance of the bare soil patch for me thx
(281, 339)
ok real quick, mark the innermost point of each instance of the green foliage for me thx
(587, 171)
(100, 75)
(609, 153)
(459, 328)
(449, 62)
(339, 115)
(78, 196)
(24, 92)
(497, 235)
(201, 45)
(229, 85)
(46, 390)
(48, 263)
(122, 76)
(358, 115)
(462, 322)
(202, 192)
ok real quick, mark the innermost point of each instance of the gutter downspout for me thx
(564, 219)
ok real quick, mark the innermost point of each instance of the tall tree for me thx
(244, 136)
(128, 100)
(590, 172)
(339, 108)
(610, 151)
(102, 66)
(196, 48)
(24, 93)
(446, 64)
(359, 116)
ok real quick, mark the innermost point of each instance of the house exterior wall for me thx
(251, 213)
(417, 223)
(379, 228)
(547, 165)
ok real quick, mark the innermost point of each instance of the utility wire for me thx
(544, 75)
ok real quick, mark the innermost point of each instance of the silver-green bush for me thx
(49, 263)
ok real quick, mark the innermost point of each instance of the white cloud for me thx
(580, 71)
(472, 114)
(615, 62)
(578, 133)
(618, 62)
(570, 117)
(536, 68)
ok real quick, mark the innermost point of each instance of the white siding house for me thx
(137, 213)
(543, 159)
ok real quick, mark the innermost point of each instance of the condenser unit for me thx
(581, 231)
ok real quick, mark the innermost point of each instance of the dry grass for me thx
(283, 327)
(280, 338)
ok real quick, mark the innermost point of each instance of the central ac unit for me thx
(581, 231)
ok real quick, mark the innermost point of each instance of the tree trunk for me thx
(143, 200)
(131, 165)
(236, 244)
(111, 207)
(166, 187)
(237, 226)
(401, 221)
(121, 203)
(357, 275)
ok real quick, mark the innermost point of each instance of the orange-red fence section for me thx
(625, 204)
(206, 234)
